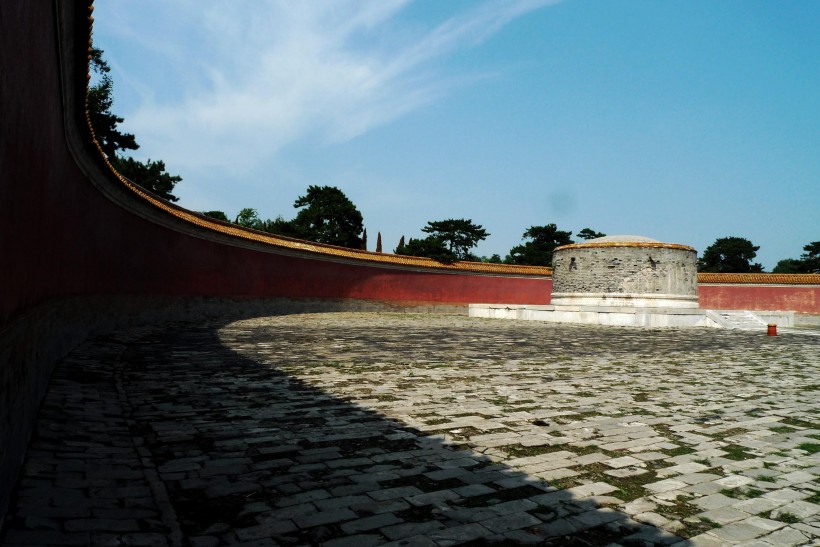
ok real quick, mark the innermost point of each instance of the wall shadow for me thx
(246, 453)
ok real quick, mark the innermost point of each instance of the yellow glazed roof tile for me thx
(759, 278)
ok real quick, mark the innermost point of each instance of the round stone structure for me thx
(631, 271)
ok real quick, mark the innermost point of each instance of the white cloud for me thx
(276, 72)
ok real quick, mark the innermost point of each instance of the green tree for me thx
(589, 233)
(449, 240)
(730, 255)
(788, 266)
(98, 103)
(328, 216)
(282, 227)
(809, 261)
(543, 241)
(219, 215)
(458, 235)
(249, 218)
(431, 247)
(811, 258)
(150, 175)
(378, 242)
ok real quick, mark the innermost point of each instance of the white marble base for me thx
(616, 300)
(621, 316)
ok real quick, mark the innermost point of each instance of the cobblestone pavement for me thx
(356, 429)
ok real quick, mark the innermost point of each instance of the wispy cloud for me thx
(259, 76)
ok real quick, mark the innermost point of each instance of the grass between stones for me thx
(811, 448)
(641, 397)
(740, 494)
(800, 423)
(629, 488)
(520, 451)
(563, 484)
(709, 524)
(589, 449)
(736, 452)
(814, 498)
(788, 518)
(696, 526)
(679, 508)
(680, 451)
(728, 433)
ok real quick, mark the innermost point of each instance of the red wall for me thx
(62, 237)
(802, 299)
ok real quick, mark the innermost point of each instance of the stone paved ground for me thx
(364, 429)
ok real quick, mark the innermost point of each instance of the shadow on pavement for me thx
(171, 437)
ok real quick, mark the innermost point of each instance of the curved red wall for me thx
(62, 237)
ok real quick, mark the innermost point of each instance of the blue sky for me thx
(684, 121)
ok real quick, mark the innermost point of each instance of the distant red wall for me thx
(802, 299)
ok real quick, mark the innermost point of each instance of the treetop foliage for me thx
(538, 251)
(809, 261)
(328, 216)
(99, 103)
(730, 255)
(449, 240)
(219, 215)
(249, 218)
(458, 235)
(150, 175)
(589, 233)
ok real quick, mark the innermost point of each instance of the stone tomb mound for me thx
(625, 281)
(631, 271)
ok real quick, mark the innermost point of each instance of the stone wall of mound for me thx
(637, 269)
